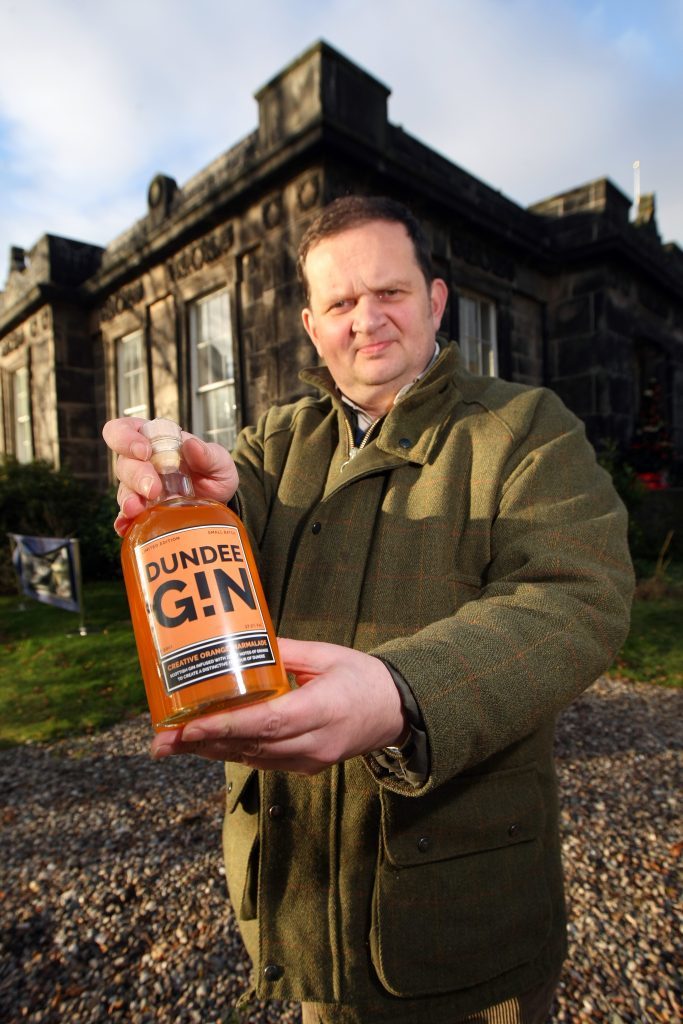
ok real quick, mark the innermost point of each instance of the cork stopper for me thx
(165, 438)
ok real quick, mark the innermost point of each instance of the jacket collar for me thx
(412, 425)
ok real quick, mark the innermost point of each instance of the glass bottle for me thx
(202, 627)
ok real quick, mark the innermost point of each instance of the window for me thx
(478, 335)
(213, 372)
(21, 396)
(131, 364)
(4, 417)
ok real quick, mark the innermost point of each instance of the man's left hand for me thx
(346, 703)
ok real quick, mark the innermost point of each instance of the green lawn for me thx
(653, 652)
(54, 682)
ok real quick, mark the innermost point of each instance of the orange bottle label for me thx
(202, 605)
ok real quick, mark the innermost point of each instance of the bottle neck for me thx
(175, 480)
(175, 484)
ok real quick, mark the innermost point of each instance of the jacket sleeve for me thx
(256, 484)
(552, 611)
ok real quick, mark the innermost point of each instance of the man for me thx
(449, 566)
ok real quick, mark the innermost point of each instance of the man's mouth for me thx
(373, 348)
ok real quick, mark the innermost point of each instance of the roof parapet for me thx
(322, 84)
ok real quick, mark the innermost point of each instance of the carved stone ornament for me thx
(272, 212)
(307, 192)
(193, 257)
(12, 343)
(126, 298)
(161, 192)
(155, 194)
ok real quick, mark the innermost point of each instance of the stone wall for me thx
(599, 318)
(253, 256)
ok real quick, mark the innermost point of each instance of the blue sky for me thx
(532, 96)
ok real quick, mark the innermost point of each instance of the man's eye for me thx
(389, 293)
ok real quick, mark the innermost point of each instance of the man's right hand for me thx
(346, 703)
(214, 474)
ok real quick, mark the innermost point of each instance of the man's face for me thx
(372, 317)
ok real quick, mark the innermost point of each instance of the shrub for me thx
(630, 489)
(37, 500)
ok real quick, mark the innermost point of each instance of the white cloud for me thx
(531, 97)
(539, 103)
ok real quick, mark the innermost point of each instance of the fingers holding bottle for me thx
(214, 474)
(212, 469)
(138, 480)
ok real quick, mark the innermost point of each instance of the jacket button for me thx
(229, 787)
(273, 972)
(276, 811)
(405, 442)
(316, 528)
(514, 830)
(423, 844)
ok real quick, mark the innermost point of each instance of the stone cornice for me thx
(593, 240)
(29, 302)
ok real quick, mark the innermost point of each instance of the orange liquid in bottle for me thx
(203, 631)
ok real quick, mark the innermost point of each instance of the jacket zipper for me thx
(353, 448)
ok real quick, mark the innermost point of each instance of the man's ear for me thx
(438, 299)
(309, 326)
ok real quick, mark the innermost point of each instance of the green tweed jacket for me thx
(478, 548)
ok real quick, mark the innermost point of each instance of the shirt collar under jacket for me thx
(363, 419)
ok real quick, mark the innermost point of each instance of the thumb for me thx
(212, 463)
(307, 658)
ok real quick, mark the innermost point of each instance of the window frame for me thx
(199, 391)
(467, 339)
(124, 376)
(22, 422)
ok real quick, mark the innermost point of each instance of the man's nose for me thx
(368, 315)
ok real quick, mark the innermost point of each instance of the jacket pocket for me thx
(460, 894)
(240, 839)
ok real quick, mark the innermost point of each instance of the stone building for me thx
(193, 313)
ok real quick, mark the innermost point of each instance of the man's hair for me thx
(353, 211)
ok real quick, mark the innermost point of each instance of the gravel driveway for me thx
(112, 896)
